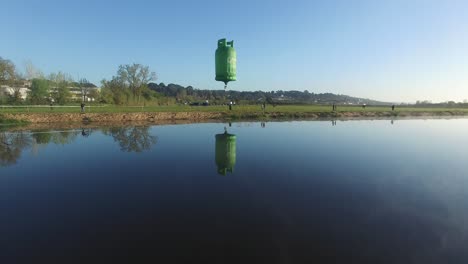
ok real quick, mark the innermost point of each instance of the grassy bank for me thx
(196, 113)
(235, 109)
(6, 121)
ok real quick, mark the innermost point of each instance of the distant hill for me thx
(190, 94)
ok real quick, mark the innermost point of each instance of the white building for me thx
(7, 90)
(76, 93)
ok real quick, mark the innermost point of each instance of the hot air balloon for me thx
(225, 60)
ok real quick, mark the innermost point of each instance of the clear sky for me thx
(395, 50)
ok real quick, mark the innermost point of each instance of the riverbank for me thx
(197, 116)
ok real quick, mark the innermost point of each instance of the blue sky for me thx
(387, 50)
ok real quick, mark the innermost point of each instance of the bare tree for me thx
(32, 71)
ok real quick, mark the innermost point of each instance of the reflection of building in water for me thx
(225, 152)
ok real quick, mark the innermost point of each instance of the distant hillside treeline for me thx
(189, 95)
(135, 84)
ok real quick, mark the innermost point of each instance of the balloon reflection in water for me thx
(225, 152)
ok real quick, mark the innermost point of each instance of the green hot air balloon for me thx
(225, 152)
(226, 61)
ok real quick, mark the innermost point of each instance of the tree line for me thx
(135, 84)
(191, 95)
(43, 89)
(129, 85)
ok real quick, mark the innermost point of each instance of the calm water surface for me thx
(286, 192)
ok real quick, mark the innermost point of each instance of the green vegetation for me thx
(129, 86)
(237, 109)
(192, 96)
(61, 92)
(34, 88)
(132, 90)
(8, 73)
(10, 77)
(39, 91)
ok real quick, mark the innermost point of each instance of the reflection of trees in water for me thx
(132, 139)
(11, 146)
(42, 137)
(64, 137)
(59, 138)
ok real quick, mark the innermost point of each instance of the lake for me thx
(277, 192)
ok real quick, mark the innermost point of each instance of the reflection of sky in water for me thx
(365, 190)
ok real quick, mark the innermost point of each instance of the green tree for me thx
(182, 94)
(94, 94)
(148, 94)
(9, 76)
(61, 92)
(106, 96)
(7, 72)
(39, 91)
(269, 100)
(114, 91)
(135, 77)
(63, 95)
